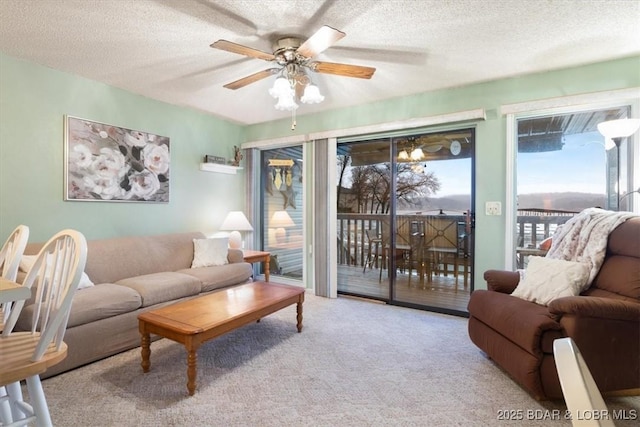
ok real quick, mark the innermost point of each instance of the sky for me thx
(579, 167)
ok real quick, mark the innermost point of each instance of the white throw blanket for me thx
(584, 238)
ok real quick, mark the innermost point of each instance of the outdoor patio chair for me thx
(373, 241)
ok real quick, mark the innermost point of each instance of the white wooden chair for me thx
(581, 394)
(10, 256)
(54, 279)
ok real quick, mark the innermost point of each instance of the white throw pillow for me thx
(210, 252)
(547, 279)
(27, 261)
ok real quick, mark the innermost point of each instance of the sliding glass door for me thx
(405, 220)
(434, 220)
(364, 217)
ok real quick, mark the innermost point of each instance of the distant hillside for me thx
(569, 201)
(459, 203)
(562, 201)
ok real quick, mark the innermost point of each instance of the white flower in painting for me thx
(103, 134)
(81, 156)
(156, 158)
(144, 184)
(106, 187)
(135, 139)
(110, 163)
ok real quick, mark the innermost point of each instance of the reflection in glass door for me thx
(405, 221)
(434, 220)
(282, 211)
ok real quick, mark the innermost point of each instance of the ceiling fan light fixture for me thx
(281, 87)
(417, 154)
(294, 58)
(286, 103)
(312, 95)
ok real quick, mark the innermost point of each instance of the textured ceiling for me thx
(160, 48)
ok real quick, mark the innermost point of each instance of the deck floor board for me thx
(440, 292)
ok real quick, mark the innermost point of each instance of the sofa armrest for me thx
(501, 280)
(606, 308)
(235, 256)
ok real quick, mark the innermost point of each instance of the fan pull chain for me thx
(293, 119)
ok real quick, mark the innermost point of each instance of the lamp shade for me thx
(618, 128)
(417, 154)
(286, 103)
(281, 219)
(312, 95)
(236, 222)
(281, 87)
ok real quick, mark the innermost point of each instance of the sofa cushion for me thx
(27, 261)
(135, 255)
(210, 252)
(546, 279)
(95, 303)
(160, 287)
(220, 276)
(529, 325)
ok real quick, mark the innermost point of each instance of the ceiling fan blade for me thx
(251, 78)
(242, 50)
(342, 69)
(320, 41)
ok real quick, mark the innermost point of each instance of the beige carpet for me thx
(356, 363)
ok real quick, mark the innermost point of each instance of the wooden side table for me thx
(259, 256)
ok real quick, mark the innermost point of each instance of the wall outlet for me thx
(493, 208)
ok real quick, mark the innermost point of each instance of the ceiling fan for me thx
(294, 58)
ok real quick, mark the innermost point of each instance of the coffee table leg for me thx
(146, 351)
(299, 312)
(191, 371)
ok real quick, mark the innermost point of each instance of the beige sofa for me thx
(132, 275)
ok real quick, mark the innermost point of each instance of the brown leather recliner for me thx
(604, 322)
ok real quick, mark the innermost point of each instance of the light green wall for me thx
(33, 102)
(490, 134)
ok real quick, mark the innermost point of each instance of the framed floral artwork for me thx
(110, 163)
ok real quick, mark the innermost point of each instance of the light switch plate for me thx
(493, 208)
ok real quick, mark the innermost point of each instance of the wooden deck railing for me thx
(533, 226)
(353, 245)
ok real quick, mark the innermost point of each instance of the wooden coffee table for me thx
(201, 319)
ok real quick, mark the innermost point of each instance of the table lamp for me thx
(235, 222)
(281, 220)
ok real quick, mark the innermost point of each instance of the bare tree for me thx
(343, 162)
(371, 186)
